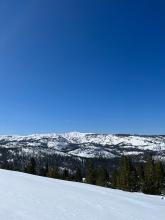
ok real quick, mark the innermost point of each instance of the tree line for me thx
(93, 175)
(144, 177)
(53, 172)
(148, 177)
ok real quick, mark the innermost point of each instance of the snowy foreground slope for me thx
(24, 196)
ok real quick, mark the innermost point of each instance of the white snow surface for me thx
(28, 197)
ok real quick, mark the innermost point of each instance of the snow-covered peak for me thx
(87, 144)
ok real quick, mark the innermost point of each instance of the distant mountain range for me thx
(81, 145)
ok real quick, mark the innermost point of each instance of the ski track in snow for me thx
(28, 197)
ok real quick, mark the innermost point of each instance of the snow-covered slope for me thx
(28, 197)
(85, 144)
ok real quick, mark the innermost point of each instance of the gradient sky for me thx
(92, 66)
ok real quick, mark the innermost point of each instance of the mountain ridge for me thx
(87, 144)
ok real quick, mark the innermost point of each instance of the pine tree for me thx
(114, 179)
(125, 177)
(44, 170)
(125, 171)
(31, 168)
(102, 177)
(65, 174)
(158, 178)
(140, 176)
(78, 175)
(148, 178)
(148, 184)
(90, 174)
(56, 172)
(133, 180)
(51, 172)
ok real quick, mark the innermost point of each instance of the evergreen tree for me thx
(148, 184)
(50, 173)
(78, 175)
(102, 177)
(125, 172)
(31, 168)
(114, 179)
(44, 170)
(158, 178)
(140, 176)
(90, 174)
(148, 178)
(134, 187)
(125, 177)
(56, 172)
(65, 174)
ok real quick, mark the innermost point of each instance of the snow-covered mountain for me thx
(86, 145)
(24, 197)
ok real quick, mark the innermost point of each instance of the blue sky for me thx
(93, 66)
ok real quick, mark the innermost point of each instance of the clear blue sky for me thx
(94, 66)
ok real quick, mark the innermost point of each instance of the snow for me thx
(28, 197)
(132, 153)
(89, 145)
